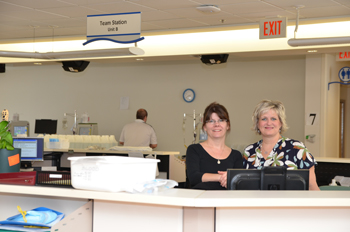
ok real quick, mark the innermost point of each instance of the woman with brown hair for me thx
(208, 161)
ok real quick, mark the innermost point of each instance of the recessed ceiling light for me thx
(312, 51)
(38, 63)
(208, 8)
(139, 59)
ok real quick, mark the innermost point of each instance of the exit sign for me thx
(273, 28)
(343, 56)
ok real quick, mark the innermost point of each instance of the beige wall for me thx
(40, 92)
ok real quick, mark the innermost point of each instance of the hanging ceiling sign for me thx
(273, 28)
(118, 28)
(343, 56)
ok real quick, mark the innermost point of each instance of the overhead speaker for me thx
(2, 68)
(214, 59)
(75, 66)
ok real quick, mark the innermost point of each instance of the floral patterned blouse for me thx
(287, 152)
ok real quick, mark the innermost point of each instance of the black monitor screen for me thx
(267, 178)
(45, 126)
(32, 149)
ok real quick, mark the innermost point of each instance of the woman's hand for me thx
(223, 178)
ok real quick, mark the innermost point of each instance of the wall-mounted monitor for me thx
(45, 126)
(32, 149)
(19, 128)
(268, 178)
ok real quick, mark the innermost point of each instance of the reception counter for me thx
(185, 210)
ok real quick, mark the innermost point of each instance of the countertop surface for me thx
(196, 198)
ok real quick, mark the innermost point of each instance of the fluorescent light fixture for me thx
(318, 41)
(74, 54)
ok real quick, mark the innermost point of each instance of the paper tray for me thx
(53, 179)
(41, 178)
(18, 178)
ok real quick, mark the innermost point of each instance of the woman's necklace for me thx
(263, 150)
(219, 162)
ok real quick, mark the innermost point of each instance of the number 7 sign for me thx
(312, 119)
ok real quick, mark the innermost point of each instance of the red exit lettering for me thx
(272, 28)
(344, 55)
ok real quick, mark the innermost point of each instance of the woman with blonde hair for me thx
(269, 121)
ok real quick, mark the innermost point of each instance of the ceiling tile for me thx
(32, 15)
(76, 22)
(219, 3)
(5, 7)
(165, 4)
(249, 7)
(119, 7)
(222, 21)
(315, 12)
(74, 11)
(8, 18)
(89, 2)
(193, 13)
(156, 15)
(147, 26)
(343, 2)
(257, 16)
(291, 4)
(38, 4)
(178, 23)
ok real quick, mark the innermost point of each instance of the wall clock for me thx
(189, 95)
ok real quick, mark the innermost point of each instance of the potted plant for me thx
(10, 157)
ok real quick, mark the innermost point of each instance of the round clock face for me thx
(189, 95)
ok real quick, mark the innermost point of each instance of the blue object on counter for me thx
(32, 216)
(41, 216)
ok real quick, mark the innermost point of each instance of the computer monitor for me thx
(268, 178)
(45, 126)
(32, 149)
(87, 129)
(19, 128)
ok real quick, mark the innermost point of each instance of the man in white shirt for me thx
(139, 133)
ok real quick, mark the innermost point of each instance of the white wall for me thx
(41, 92)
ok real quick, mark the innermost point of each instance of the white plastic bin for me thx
(111, 173)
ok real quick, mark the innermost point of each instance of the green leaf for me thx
(3, 126)
(3, 144)
(9, 138)
(6, 140)
(9, 147)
